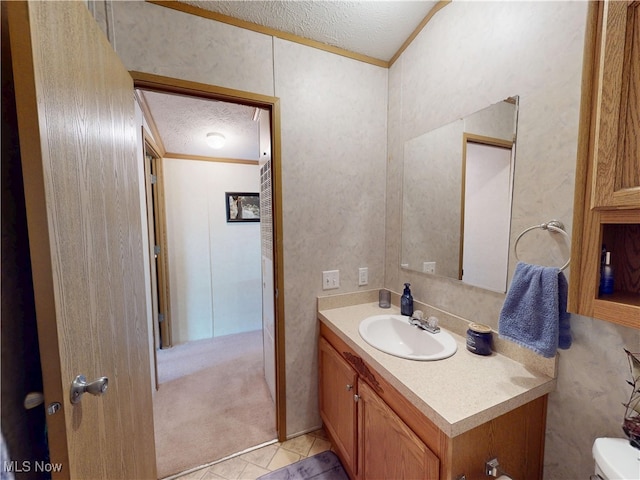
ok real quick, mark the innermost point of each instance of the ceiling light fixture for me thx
(215, 140)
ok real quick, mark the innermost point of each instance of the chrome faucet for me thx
(430, 324)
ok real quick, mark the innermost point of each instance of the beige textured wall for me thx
(470, 55)
(431, 188)
(333, 119)
(333, 179)
(333, 126)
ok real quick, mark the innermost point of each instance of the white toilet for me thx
(616, 459)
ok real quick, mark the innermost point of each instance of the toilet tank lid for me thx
(617, 458)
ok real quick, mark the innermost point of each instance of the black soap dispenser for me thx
(406, 301)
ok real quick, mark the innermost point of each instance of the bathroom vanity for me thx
(389, 417)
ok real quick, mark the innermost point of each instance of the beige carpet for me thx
(212, 401)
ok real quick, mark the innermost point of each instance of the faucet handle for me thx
(417, 314)
(432, 322)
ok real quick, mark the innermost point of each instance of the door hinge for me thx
(160, 317)
(156, 249)
(154, 179)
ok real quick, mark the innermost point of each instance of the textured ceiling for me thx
(183, 123)
(375, 28)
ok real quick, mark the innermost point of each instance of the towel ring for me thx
(554, 225)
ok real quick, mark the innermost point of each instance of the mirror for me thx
(457, 189)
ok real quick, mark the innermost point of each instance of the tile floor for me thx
(251, 465)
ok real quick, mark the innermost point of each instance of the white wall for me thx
(214, 266)
(473, 54)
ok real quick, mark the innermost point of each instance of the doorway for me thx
(157, 244)
(487, 186)
(267, 172)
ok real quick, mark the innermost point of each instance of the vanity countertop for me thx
(458, 393)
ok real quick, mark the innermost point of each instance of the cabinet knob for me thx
(349, 387)
(356, 398)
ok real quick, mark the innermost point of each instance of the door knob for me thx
(79, 386)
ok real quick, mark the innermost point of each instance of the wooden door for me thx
(78, 145)
(388, 448)
(337, 404)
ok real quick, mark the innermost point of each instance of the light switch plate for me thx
(330, 279)
(428, 267)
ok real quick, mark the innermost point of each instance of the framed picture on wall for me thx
(242, 207)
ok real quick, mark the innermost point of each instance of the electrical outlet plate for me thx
(330, 279)
(363, 276)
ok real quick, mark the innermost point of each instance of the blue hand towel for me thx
(534, 313)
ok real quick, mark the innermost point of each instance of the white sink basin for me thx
(394, 335)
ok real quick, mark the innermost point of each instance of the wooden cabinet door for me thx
(388, 448)
(77, 132)
(616, 162)
(337, 403)
(607, 200)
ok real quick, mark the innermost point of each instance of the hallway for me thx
(212, 401)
